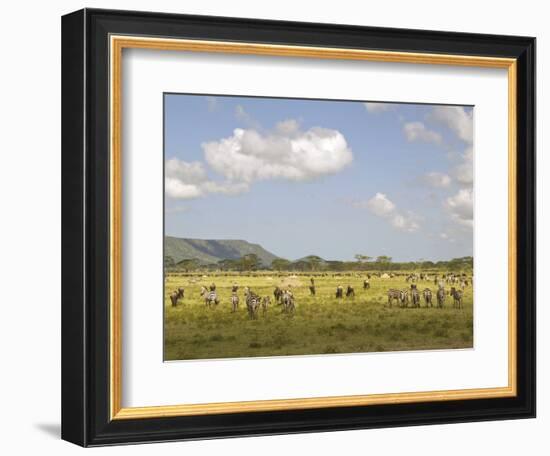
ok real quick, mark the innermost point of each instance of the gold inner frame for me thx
(117, 44)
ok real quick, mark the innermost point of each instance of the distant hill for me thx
(209, 251)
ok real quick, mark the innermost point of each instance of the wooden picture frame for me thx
(92, 44)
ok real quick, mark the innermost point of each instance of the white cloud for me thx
(461, 207)
(375, 107)
(188, 180)
(464, 173)
(437, 180)
(406, 223)
(285, 153)
(457, 119)
(188, 172)
(381, 206)
(175, 188)
(417, 131)
(227, 188)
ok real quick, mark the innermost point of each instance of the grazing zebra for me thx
(339, 292)
(404, 298)
(415, 296)
(427, 297)
(211, 299)
(393, 294)
(350, 292)
(176, 295)
(266, 301)
(253, 302)
(366, 284)
(457, 298)
(440, 297)
(278, 294)
(234, 302)
(288, 302)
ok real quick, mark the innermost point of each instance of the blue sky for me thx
(332, 178)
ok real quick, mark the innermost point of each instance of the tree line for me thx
(313, 263)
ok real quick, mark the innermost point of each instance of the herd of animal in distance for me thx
(285, 298)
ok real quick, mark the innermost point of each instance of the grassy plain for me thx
(321, 324)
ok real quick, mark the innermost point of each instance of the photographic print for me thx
(315, 227)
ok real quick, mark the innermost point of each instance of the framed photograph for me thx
(278, 227)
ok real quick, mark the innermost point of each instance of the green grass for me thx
(321, 324)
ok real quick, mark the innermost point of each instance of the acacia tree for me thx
(313, 261)
(188, 264)
(280, 264)
(250, 262)
(362, 258)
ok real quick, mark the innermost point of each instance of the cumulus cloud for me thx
(406, 222)
(189, 180)
(437, 180)
(285, 153)
(417, 131)
(457, 119)
(375, 107)
(461, 207)
(381, 206)
(464, 172)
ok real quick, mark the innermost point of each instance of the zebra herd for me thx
(412, 295)
(284, 297)
(254, 302)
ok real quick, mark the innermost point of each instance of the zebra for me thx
(176, 295)
(393, 294)
(278, 294)
(350, 292)
(266, 301)
(366, 284)
(288, 301)
(234, 288)
(339, 292)
(253, 302)
(404, 298)
(415, 296)
(427, 296)
(211, 299)
(234, 302)
(440, 297)
(457, 298)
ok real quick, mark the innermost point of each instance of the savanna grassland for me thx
(321, 324)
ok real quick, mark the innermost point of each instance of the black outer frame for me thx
(85, 227)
